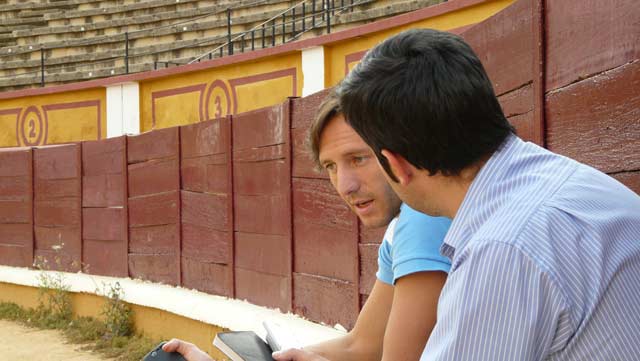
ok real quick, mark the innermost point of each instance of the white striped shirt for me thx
(545, 264)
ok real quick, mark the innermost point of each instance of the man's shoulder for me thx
(414, 226)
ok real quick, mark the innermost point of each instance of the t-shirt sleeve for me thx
(385, 271)
(416, 243)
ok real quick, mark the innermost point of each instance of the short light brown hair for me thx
(328, 109)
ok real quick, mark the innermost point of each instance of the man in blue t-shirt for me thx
(400, 312)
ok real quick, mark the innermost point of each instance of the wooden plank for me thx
(57, 260)
(327, 300)
(157, 144)
(518, 101)
(278, 151)
(208, 210)
(211, 278)
(205, 174)
(105, 257)
(257, 178)
(303, 164)
(372, 235)
(263, 253)
(15, 162)
(259, 128)
(15, 255)
(105, 156)
(204, 138)
(155, 209)
(60, 212)
(524, 125)
(596, 122)
(105, 190)
(105, 224)
(66, 239)
(15, 188)
(154, 176)
(263, 289)
(163, 268)
(57, 162)
(52, 189)
(162, 239)
(504, 44)
(265, 214)
(630, 179)
(325, 251)
(15, 211)
(368, 266)
(588, 37)
(316, 201)
(303, 110)
(204, 244)
(18, 234)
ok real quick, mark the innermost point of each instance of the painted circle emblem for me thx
(32, 127)
(218, 103)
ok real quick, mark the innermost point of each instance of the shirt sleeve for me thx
(497, 304)
(385, 271)
(416, 243)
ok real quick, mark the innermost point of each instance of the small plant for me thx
(54, 300)
(117, 314)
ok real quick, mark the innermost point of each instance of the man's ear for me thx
(401, 168)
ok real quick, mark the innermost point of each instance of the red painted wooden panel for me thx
(278, 151)
(257, 178)
(204, 138)
(66, 238)
(371, 235)
(316, 201)
(518, 101)
(56, 260)
(368, 266)
(207, 277)
(204, 244)
(259, 128)
(57, 162)
(266, 214)
(156, 209)
(303, 110)
(263, 289)
(161, 239)
(51, 189)
(504, 44)
(15, 162)
(327, 300)
(161, 143)
(325, 251)
(630, 179)
(155, 267)
(588, 37)
(105, 257)
(15, 211)
(106, 190)
(16, 256)
(263, 253)
(105, 156)
(302, 162)
(205, 174)
(524, 125)
(154, 176)
(105, 224)
(15, 188)
(18, 234)
(208, 210)
(596, 122)
(60, 212)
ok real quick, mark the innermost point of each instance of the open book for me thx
(248, 346)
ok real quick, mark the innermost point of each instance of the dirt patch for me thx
(20, 343)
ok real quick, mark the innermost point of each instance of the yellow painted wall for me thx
(192, 97)
(153, 323)
(335, 54)
(53, 118)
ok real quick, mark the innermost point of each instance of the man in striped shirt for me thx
(545, 251)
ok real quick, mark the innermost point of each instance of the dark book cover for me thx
(243, 346)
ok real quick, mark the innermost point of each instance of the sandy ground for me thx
(20, 343)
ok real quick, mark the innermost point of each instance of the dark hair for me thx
(329, 108)
(423, 94)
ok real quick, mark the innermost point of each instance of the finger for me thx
(284, 355)
(171, 346)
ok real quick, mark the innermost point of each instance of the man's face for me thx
(354, 173)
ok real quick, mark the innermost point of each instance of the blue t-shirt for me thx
(412, 244)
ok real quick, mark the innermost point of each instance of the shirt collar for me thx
(476, 207)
